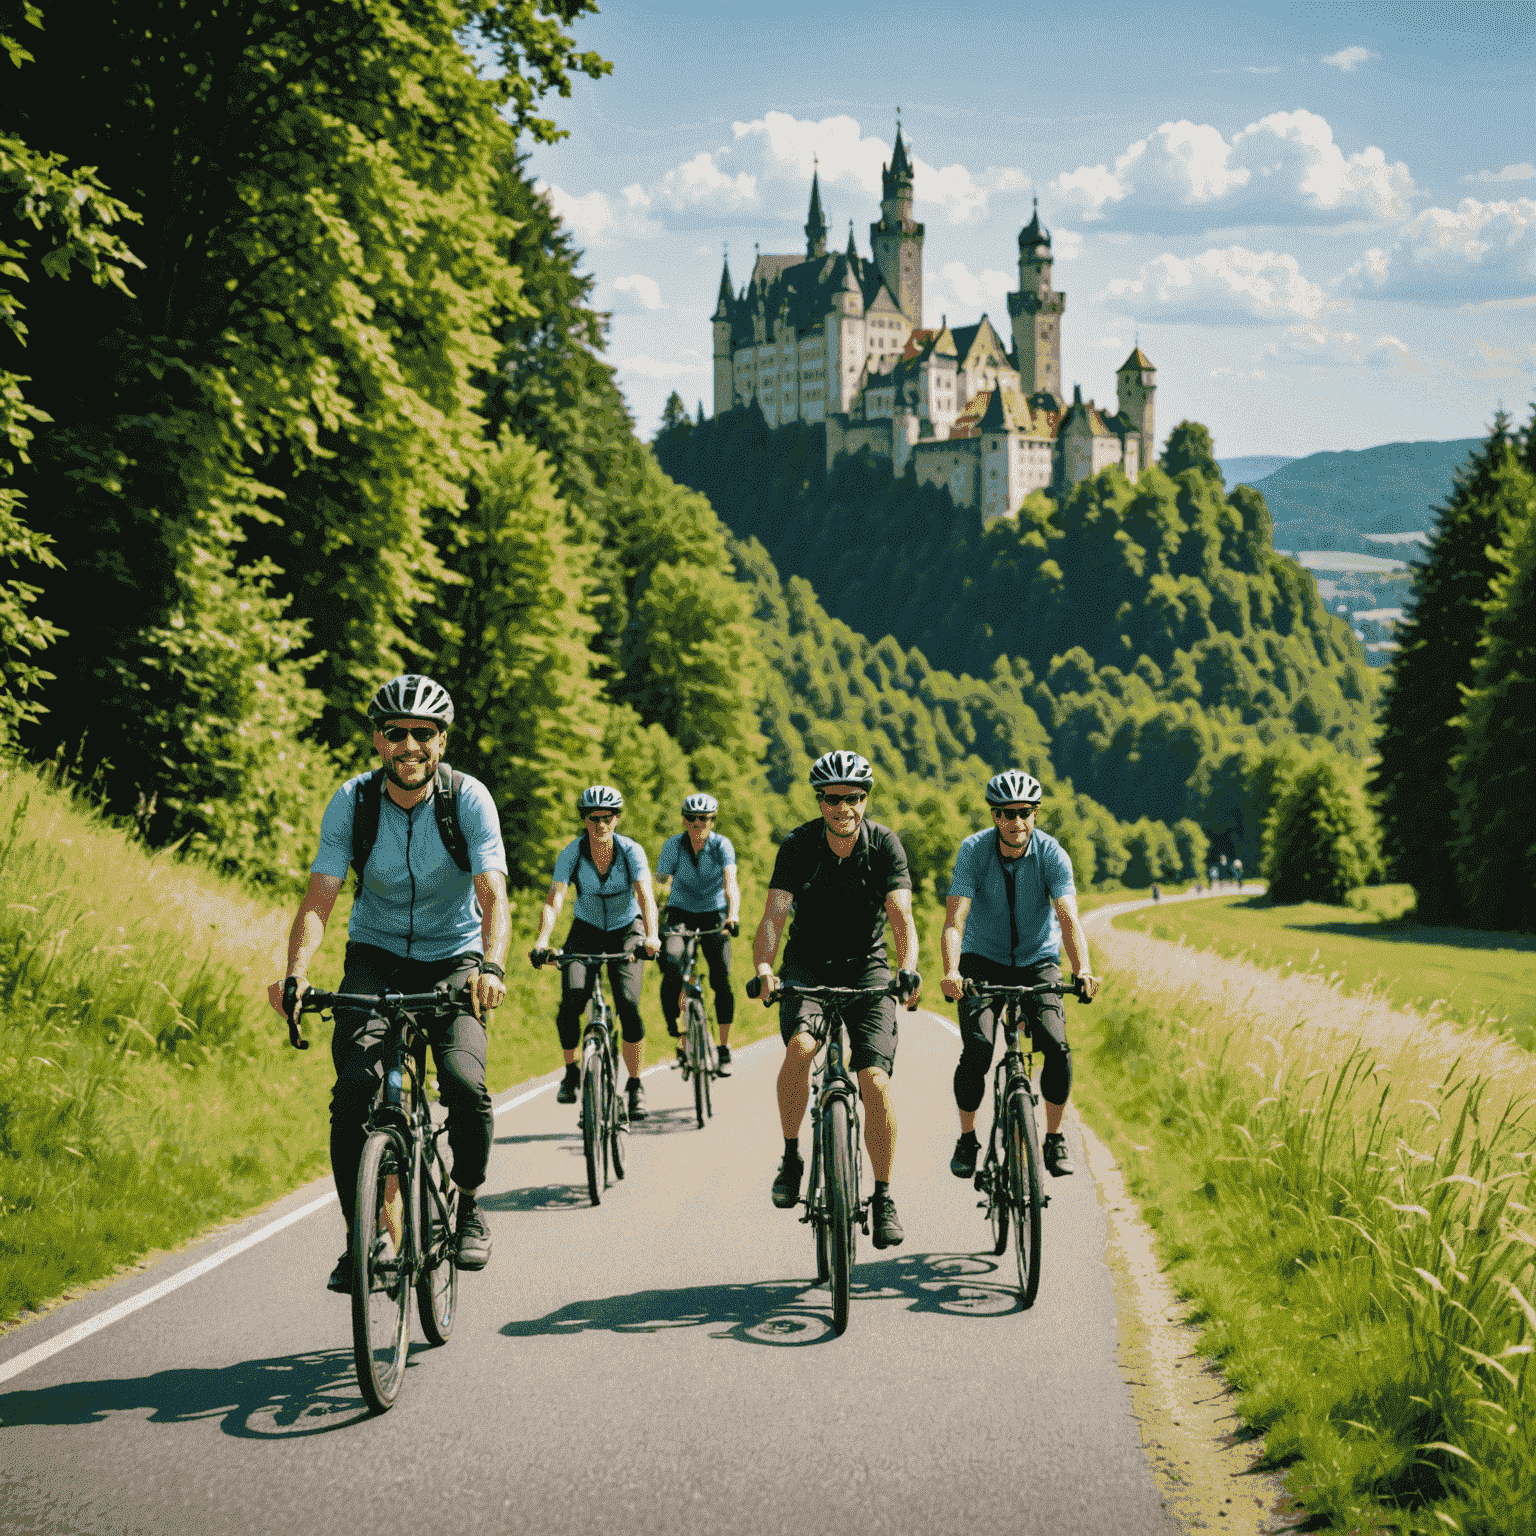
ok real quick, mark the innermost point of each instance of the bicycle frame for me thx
(829, 1083)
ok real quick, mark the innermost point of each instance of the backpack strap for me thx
(445, 806)
(1008, 874)
(367, 801)
(585, 852)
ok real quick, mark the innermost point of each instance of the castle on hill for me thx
(840, 339)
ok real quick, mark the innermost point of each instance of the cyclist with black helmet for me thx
(615, 905)
(696, 873)
(1012, 909)
(431, 907)
(842, 877)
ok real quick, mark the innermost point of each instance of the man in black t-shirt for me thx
(842, 877)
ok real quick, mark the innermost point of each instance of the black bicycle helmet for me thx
(411, 697)
(1013, 786)
(701, 805)
(841, 768)
(600, 797)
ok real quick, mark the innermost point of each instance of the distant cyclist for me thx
(1237, 873)
(615, 906)
(696, 871)
(431, 907)
(842, 877)
(1012, 907)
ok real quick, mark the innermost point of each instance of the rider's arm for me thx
(898, 908)
(495, 935)
(552, 904)
(955, 911)
(765, 943)
(647, 899)
(732, 895)
(1074, 940)
(308, 931)
(663, 888)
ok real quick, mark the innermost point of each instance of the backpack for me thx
(369, 803)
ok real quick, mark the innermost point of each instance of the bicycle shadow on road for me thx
(537, 1197)
(789, 1313)
(285, 1397)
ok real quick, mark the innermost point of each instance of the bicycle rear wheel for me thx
(996, 1187)
(698, 1059)
(1028, 1187)
(593, 1124)
(437, 1286)
(839, 1173)
(380, 1319)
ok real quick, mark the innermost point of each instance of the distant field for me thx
(1485, 979)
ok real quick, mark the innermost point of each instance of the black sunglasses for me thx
(1012, 815)
(698, 818)
(398, 733)
(842, 799)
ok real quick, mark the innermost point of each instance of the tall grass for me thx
(1351, 1214)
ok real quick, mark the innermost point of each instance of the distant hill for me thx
(1253, 468)
(1332, 500)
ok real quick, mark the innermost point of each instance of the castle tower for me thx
(1137, 380)
(897, 240)
(725, 389)
(815, 224)
(1036, 310)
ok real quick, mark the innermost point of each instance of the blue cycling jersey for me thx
(698, 880)
(1039, 876)
(415, 901)
(609, 901)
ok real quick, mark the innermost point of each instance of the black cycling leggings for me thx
(578, 981)
(978, 1030)
(717, 955)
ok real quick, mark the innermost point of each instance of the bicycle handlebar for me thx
(316, 1001)
(695, 933)
(896, 988)
(1073, 988)
(563, 957)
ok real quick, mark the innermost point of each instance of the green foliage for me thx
(1189, 446)
(1319, 840)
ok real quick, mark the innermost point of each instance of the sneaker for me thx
(1055, 1152)
(886, 1229)
(637, 1109)
(341, 1276)
(568, 1085)
(723, 1062)
(786, 1187)
(963, 1163)
(474, 1251)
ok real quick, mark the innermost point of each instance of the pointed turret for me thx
(901, 167)
(815, 224)
(727, 293)
(1036, 234)
(897, 239)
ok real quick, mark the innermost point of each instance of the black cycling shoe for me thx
(786, 1187)
(885, 1226)
(723, 1062)
(474, 1245)
(341, 1276)
(963, 1163)
(637, 1109)
(568, 1085)
(1055, 1154)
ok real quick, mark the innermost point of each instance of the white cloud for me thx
(1474, 252)
(646, 290)
(1261, 69)
(695, 182)
(597, 220)
(1525, 171)
(1066, 244)
(1232, 286)
(655, 368)
(1284, 168)
(1114, 343)
(977, 291)
(1349, 59)
(1322, 348)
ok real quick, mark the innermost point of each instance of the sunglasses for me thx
(398, 733)
(602, 819)
(856, 799)
(693, 820)
(1011, 815)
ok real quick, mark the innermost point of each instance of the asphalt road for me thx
(660, 1364)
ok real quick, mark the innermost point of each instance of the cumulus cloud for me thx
(597, 220)
(1349, 59)
(1524, 171)
(695, 182)
(645, 290)
(1232, 286)
(1322, 348)
(1475, 252)
(974, 290)
(1284, 168)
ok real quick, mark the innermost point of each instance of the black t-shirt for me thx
(839, 923)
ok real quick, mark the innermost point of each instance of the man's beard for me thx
(391, 773)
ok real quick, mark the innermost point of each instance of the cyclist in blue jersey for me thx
(1012, 909)
(420, 918)
(614, 906)
(696, 872)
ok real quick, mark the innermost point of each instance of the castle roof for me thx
(923, 344)
(1137, 361)
(1004, 410)
(815, 224)
(981, 337)
(799, 292)
(1034, 233)
(727, 293)
(901, 167)
(1086, 416)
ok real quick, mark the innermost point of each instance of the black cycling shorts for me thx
(870, 1021)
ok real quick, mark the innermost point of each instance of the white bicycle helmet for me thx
(1013, 786)
(701, 805)
(841, 768)
(600, 797)
(411, 697)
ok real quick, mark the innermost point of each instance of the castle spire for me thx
(727, 293)
(901, 167)
(815, 224)
(853, 250)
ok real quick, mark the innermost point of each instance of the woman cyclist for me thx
(614, 906)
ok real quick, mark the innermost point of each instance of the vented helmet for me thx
(1011, 787)
(701, 805)
(600, 797)
(411, 697)
(841, 768)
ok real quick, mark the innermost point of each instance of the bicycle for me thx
(405, 1226)
(701, 1057)
(1013, 1179)
(604, 1117)
(833, 1205)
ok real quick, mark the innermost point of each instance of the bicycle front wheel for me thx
(838, 1161)
(995, 1183)
(1027, 1180)
(593, 1124)
(437, 1285)
(618, 1127)
(698, 1058)
(380, 1318)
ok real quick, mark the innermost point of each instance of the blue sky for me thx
(1319, 217)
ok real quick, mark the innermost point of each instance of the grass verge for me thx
(1354, 1228)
